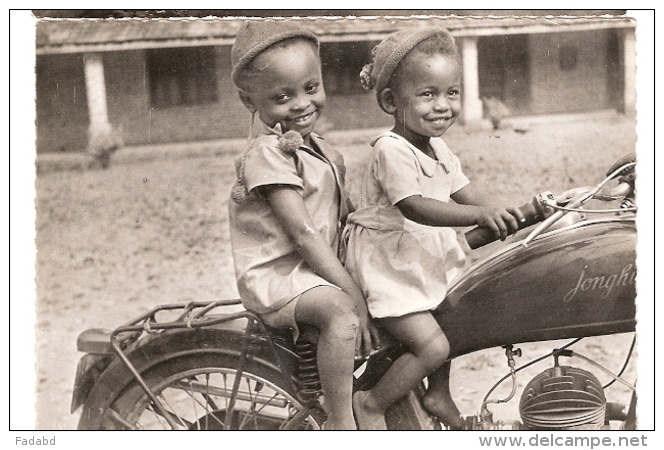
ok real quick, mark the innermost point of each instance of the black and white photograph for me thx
(373, 220)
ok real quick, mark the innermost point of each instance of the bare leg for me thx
(332, 312)
(438, 398)
(428, 350)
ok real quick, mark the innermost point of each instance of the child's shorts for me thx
(284, 317)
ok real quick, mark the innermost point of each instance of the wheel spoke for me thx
(208, 398)
(196, 396)
(251, 406)
(157, 417)
(173, 415)
(113, 415)
(226, 393)
(197, 401)
(208, 402)
(193, 402)
(225, 377)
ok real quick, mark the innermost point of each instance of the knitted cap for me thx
(389, 53)
(255, 36)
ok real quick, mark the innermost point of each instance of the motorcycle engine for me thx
(563, 398)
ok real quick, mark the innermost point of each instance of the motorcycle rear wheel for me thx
(196, 391)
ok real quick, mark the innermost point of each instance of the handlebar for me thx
(543, 206)
(626, 165)
(533, 212)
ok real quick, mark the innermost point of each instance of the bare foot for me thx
(443, 407)
(367, 419)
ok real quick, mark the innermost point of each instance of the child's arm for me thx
(293, 216)
(469, 195)
(469, 209)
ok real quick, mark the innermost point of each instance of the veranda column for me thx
(95, 87)
(629, 49)
(472, 105)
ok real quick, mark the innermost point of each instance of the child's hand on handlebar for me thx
(502, 221)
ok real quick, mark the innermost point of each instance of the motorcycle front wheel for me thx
(197, 391)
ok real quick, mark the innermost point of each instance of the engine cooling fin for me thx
(563, 398)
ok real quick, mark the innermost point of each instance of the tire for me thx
(195, 390)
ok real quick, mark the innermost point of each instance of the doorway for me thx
(504, 71)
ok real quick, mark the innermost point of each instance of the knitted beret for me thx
(389, 53)
(255, 36)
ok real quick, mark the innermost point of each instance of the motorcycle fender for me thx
(90, 368)
(167, 346)
(96, 344)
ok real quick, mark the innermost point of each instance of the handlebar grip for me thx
(480, 236)
(630, 158)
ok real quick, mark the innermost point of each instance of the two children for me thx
(289, 203)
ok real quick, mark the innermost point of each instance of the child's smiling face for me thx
(287, 87)
(425, 99)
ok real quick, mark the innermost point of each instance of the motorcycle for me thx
(569, 273)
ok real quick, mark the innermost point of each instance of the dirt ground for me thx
(113, 243)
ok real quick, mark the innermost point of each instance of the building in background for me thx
(168, 80)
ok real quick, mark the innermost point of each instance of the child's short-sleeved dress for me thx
(402, 266)
(269, 270)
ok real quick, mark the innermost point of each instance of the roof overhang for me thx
(95, 35)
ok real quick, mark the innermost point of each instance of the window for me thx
(181, 76)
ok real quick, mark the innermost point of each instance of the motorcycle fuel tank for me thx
(572, 282)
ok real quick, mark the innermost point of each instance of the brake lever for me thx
(619, 191)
